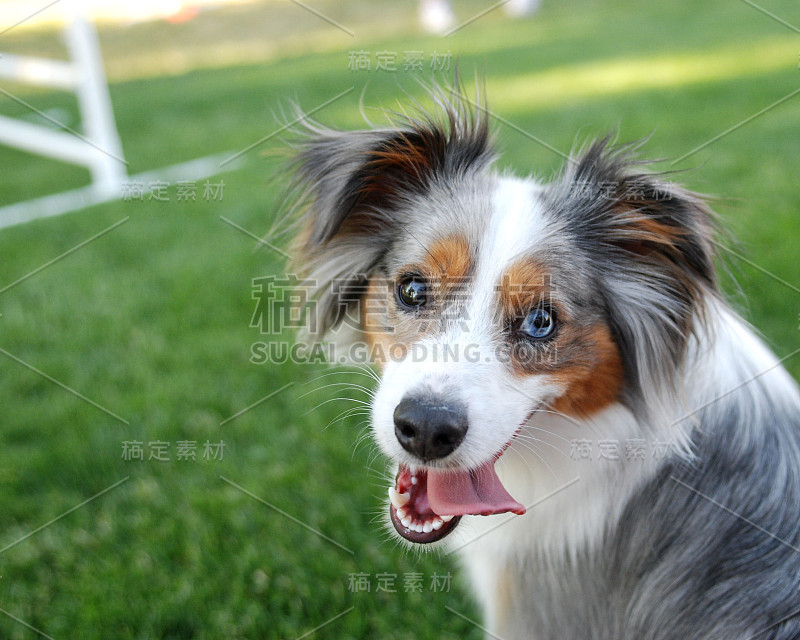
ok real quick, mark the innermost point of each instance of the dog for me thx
(560, 353)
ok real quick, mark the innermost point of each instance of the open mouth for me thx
(426, 504)
(411, 512)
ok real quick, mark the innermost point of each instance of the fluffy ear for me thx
(348, 220)
(355, 186)
(655, 247)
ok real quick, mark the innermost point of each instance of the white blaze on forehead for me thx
(517, 224)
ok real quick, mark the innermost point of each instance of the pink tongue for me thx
(477, 492)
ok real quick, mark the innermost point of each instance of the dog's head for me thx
(484, 298)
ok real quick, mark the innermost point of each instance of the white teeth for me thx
(408, 518)
(411, 524)
(398, 499)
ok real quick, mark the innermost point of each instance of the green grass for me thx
(151, 321)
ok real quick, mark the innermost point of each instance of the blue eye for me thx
(539, 323)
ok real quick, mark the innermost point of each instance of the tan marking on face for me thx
(449, 258)
(375, 322)
(583, 359)
(444, 265)
(596, 380)
(388, 331)
(524, 285)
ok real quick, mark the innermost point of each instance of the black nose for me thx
(429, 429)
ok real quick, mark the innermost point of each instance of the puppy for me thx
(559, 353)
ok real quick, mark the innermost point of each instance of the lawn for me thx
(149, 325)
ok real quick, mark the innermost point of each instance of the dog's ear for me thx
(354, 183)
(356, 186)
(655, 244)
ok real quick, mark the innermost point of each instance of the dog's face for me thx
(486, 298)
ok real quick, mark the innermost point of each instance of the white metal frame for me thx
(99, 148)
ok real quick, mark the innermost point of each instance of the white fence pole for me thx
(107, 164)
(99, 147)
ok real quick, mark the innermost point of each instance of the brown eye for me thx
(412, 292)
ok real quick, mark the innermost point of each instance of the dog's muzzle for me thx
(426, 503)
